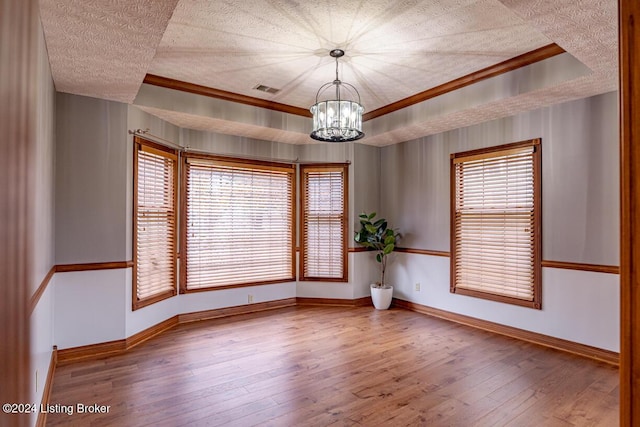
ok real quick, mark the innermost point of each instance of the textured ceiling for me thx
(103, 48)
(393, 49)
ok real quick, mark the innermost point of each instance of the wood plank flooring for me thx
(320, 366)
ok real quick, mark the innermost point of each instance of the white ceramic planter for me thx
(381, 297)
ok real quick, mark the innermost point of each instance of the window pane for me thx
(154, 223)
(495, 247)
(239, 224)
(324, 214)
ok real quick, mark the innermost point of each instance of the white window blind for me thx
(496, 237)
(155, 223)
(324, 222)
(239, 223)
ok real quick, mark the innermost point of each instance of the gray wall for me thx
(365, 188)
(580, 179)
(234, 145)
(580, 211)
(408, 183)
(94, 172)
(138, 119)
(580, 176)
(363, 170)
(43, 169)
(91, 178)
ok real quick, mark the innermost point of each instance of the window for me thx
(495, 224)
(323, 246)
(239, 223)
(154, 223)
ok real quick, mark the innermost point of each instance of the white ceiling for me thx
(104, 48)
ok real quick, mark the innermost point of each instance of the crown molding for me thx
(520, 61)
(168, 83)
(525, 59)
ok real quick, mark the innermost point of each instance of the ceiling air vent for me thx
(267, 89)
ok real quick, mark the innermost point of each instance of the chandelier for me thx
(337, 120)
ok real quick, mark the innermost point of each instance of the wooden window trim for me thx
(344, 168)
(536, 303)
(256, 164)
(629, 107)
(140, 144)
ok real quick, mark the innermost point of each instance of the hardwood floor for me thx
(319, 366)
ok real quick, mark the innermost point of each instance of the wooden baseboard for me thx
(363, 302)
(109, 348)
(336, 302)
(48, 386)
(92, 351)
(95, 351)
(151, 332)
(234, 311)
(607, 356)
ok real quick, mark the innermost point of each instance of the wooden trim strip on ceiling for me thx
(528, 58)
(223, 94)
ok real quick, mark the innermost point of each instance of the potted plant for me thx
(377, 236)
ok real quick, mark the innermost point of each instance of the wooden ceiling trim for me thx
(223, 94)
(528, 58)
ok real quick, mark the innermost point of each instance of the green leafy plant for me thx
(376, 235)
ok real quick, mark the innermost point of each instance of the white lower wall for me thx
(578, 306)
(89, 307)
(42, 341)
(581, 306)
(332, 290)
(95, 306)
(363, 270)
(146, 317)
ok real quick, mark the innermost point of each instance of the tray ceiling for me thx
(393, 50)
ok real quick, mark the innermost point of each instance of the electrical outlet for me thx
(250, 298)
(418, 287)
